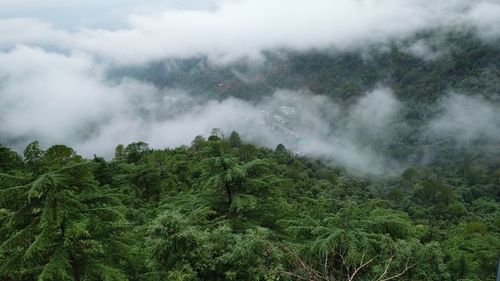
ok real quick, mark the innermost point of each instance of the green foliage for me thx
(182, 250)
(223, 209)
(227, 210)
(48, 233)
(234, 139)
(133, 151)
(32, 156)
(9, 160)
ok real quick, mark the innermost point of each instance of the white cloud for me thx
(54, 97)
(53, 84)
(31, 31)
(66, 99)
(465, 119)
(246, 27)
(486, 17)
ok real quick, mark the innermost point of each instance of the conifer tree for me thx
(234, 139)
(62, 226)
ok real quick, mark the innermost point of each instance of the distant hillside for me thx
(420, 72)
(422, 69)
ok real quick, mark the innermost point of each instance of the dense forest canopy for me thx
(225, 209)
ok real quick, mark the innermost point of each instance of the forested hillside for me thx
(439, 103)
(225, 209)
(419, 69)
(259, 140)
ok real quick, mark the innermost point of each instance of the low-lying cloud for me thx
(58, 98)
(54, 83)
(466, 119)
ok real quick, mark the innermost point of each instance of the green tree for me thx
(9, 160)
(61, 226)
(362, 243)
(234, 139)
(32, 156)
(134, 151)
(198, 143)
(119, 152)
(247, 152)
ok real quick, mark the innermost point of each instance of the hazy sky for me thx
(136, 32)
(72, 14)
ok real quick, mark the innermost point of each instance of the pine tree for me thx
(32, 156)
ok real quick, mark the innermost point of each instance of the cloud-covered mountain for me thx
(372, 85)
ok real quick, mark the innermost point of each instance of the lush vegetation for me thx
(223, 209)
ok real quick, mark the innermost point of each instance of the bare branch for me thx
(407, 267)
(326, 265)
(308, 269)
(361, 266)
(380, 278)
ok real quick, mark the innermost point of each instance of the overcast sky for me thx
(125, 31)
(72, 14)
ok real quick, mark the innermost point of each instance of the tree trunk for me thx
(229, 194)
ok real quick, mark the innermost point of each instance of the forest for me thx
(453, 60)
(260, 140)
(225, 209)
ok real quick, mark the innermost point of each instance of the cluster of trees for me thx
(223, 209)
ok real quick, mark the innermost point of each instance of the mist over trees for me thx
(374, 111)
(249, 140)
